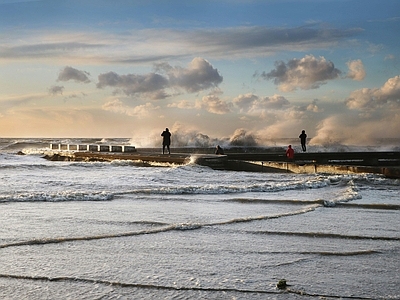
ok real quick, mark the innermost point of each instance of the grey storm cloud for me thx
(200, 75)
(306, 73)
(151, 84)
(56, 89)
(69, 73)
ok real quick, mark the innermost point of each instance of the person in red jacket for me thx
(290, 152)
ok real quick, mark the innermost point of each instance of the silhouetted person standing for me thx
(303, 137)
(166, 140)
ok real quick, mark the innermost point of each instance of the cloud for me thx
(152, 84)
(375, 48)
(367, 99)
(75, 96)
(356, 70)
(245, 102)
(314, 107)
(250, 41)
(200, 75)
(276, 102)
(214, 105)
(8, 104)
(117, 106)
(306, 73)
(390, 57)
(148, 45)
(56, 89)
(184, 104)
(69, 73)
(253, 103)
(34, 51)
(260, 37)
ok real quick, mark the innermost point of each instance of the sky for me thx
(227, 71)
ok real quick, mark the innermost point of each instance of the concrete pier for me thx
(384, 163)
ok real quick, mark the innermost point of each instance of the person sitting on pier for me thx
(166, 140)
(219, 151)
(290, 152)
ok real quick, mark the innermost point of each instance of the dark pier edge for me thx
(253, 160)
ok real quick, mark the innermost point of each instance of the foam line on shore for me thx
(175, 288)
(181, 226)
(194, 226)
(326, 235)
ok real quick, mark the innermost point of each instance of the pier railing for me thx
(93, 148)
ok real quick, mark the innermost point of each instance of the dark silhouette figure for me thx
(303, 137)
(290, 152)
(219, 150)
(166, 140)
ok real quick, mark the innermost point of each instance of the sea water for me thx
(118, 230)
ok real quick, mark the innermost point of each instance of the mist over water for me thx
(243, 138)
(240, 141)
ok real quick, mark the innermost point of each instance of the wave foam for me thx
(57, 197)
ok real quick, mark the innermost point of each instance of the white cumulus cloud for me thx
(356, 70)
(367, 98)
(214, 104)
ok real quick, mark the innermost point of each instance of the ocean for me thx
(119, 230)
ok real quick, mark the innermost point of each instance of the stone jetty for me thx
(239, 159)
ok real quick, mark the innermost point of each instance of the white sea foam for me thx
(56, 197)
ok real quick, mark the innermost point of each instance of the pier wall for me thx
(287, 167)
